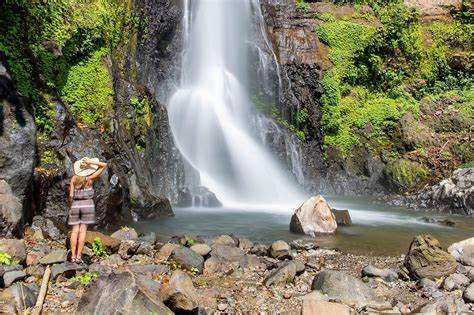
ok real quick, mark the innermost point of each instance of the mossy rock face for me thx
(404, 174)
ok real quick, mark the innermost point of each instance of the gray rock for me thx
(145, 248)
(338, 285)
(66, 269)
(342, 217)
(121, 293)
(17, 298)
(223, 240)
(386, 274)
(468, 294)
(125, 234)
(225, 258)
(6, 268)
(455, 281)
(166, 250)
(127, 249)
(467, 257)
(285, 273)
(303, 244)
(15, 248)
(300, 267)
(56, 256)
(252, 262)
(179, 294)
(100, 269)
(457, 249)
(444, 305)
(113, 260)
(201, 249)
(12, 276)
(313, 217)
(227, 253)
(470, 274)
(11, 212)
(259, 250)
(187, 259)
(149, 270)
(428, 284)
(280, 250)
(245, 245)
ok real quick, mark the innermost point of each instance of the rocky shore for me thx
(136, 274)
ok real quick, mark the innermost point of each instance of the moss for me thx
(406, 174)
(303, 6)
(88, 90)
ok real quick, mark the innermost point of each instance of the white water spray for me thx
(210, 114)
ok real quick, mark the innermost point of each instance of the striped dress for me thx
(82, 209)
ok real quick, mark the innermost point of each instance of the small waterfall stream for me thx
(211, 114)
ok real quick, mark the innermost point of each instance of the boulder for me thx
(285, 273)
(66, 269)
(313, 217)
(338, 285)
(223, 240)
(125, 234)
(166, 250)
(127, 249)
(13, 247)
(150, 271)
(342, 217)
(443, 305)
(10, 277)
(455, 281)
(245, 244)
(187, 259)
(280, 250)
(56, 256)
(179, 294)
(111, 243)
(11, 211)
(121, 293)
(467, 257)
(17, 298)
(259, 250)
(313, 305)
(457, 249)
(201, 249)
(386, 274)
(426, 259)
(468, 294)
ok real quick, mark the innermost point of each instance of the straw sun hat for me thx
(82, 169)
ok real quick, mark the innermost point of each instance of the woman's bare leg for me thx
(81, 240)
(73, 240)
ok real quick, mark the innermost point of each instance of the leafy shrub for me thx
(303, 6)
(98, 248)
(407, 174)
(6, 259)
(85, 279)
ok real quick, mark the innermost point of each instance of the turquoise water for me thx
(376, 230)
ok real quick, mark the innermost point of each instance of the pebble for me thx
(221, 306)
(287, 295)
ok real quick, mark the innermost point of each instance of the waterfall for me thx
(211, 112)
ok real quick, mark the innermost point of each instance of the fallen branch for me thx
(42, 293)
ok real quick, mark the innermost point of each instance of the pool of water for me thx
(376, 230)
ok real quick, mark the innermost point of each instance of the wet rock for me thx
(17, 298)
(338, 285)
(426, 259)
(285, 273)
(125, 234)
(259, 250)
(13, 247)
(457, 249)
(166, 250)
(223, 240)
(56, 256)
(121, 294)
(313, 217)
(67, 269)
(179, 294)
(439, 221)
(443, 305)
(205, 198)
(303, 244)
(187, 259)
(455, 281)
(468, 294)
(245, 244)
(10, 277)
(342, 217)
(386, 274)
(201, 249)
(11, 212)
(280, 250)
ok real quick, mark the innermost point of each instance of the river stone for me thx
(201, 249)
(223, 240)
(426, 259)
(455, 281)
(56, 256)
(67, 269)
(17, 298)
(121, 293)
(12, 276)
(227, 253)
(280, 250)
(342, 217)
(13, 247)
(443, 305)
(165, 251)
(285, 273)
(179, 293)
(313, 217)
(338, 285)
(467, 257)
(386, 274)
(259, 250)
(457, 249)
(125, 234)
(300, 267)
(245, 244)
(149, 270)
(187, 259)
(468, 294)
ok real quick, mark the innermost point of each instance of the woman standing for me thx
(81, 194)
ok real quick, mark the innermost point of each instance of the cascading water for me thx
(211, 112)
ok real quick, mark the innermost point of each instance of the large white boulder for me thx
(314, 217)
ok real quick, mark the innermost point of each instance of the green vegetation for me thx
(303, 6)
(98, 248)
(6, 259)
(407, 174)
(86, 278)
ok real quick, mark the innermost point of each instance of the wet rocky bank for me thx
(130, 273)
